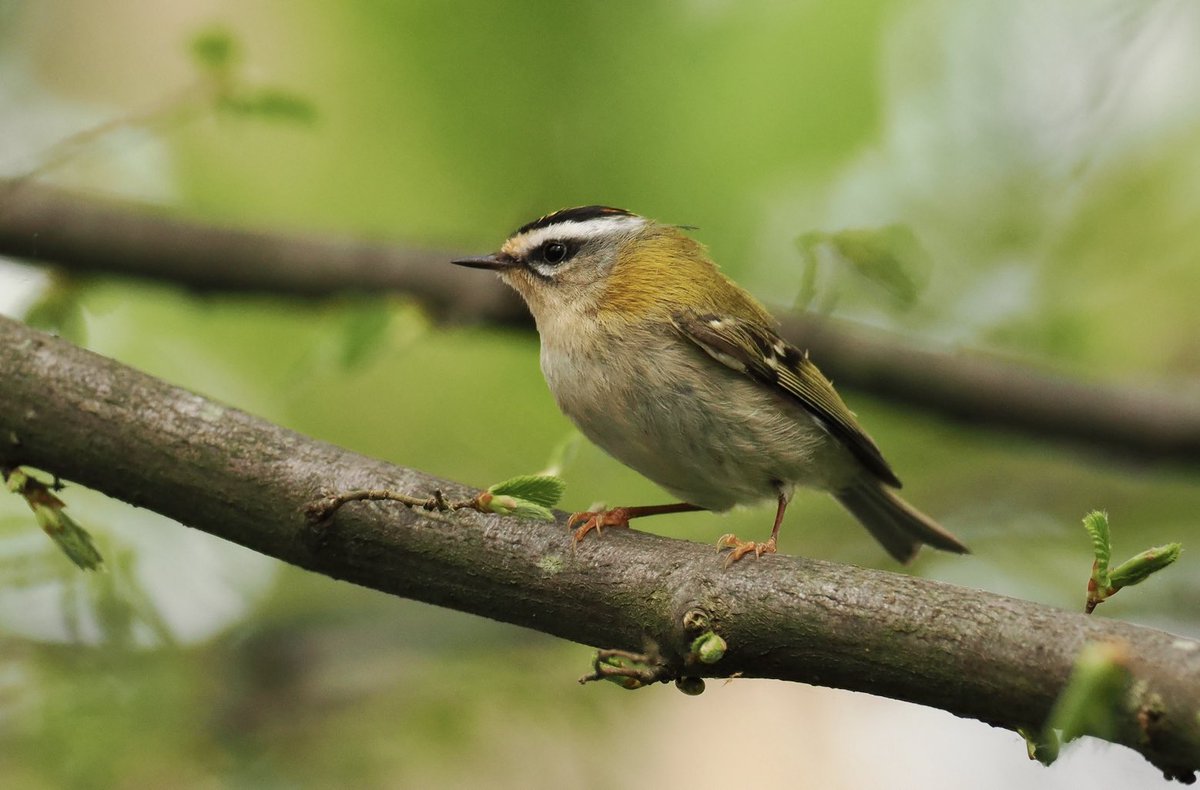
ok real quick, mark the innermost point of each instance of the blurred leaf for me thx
(1042, 746)
(122, 603)
(1092, 702)
(807, 244)
(215, 49)
(365, 326)
(59, 310)
(890, 257)
(272, 104)
(218, 52)
(544, 490)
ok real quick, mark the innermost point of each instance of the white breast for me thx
(709, 435)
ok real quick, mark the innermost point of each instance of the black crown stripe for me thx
(577, 214)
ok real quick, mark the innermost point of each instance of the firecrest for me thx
(680, 374)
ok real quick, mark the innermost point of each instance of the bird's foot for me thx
(743, 547)
(597, 520)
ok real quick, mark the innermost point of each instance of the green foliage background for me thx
(1044, 159)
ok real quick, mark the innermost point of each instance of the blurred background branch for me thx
(92, 236)
(975, 654)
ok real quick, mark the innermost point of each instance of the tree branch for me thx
(91, 236)
(978, 388)
(212, 467)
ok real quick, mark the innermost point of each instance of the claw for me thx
(743, 547)
(596, 520)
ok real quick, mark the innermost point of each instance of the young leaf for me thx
(1096, 523)
(532, 510)
(508, 505)
(1105, 583)
(1138, 568)
(544, 490)
(67, 534)
(708, 648)
(70, 537)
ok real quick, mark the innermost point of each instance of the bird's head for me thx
(604, 263)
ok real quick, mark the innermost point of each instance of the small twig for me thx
(192, 97)
(628, 669)
(322, 509)
(440, 501)
(1094, 597)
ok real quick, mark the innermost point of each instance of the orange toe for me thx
(597, 520)
(740, 548)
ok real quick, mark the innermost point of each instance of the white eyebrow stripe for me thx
(575, 231)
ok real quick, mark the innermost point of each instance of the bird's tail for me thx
(899, 526)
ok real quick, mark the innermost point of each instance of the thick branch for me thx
(92, 236)
(1004, 661)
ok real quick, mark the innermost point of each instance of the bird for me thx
(677, 372)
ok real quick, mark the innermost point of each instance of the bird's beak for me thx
(495, 261)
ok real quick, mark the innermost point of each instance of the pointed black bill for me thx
(493, 261)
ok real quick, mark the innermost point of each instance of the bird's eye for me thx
(554, 252)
